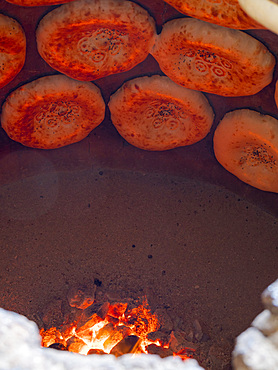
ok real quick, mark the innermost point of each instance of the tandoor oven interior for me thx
(174, 223)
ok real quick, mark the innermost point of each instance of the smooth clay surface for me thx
(206, 253)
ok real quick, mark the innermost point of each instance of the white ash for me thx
(270, 298)
(257, 347)
(254, 351)
(20, 349)
(274, 339)
(266, 322)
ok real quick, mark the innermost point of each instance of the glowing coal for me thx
(92, 323)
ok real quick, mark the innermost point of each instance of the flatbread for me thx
(263, 11)
(214, 59)
(52, 112)
(90, 39)
(12, 49)
(154, 113)
(276, 93)
(246, 144)
(37, 2)
(227, 13)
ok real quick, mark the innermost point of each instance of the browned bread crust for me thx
(227, 13)
(52, 112)
(219, 60)
(12, 49)
(154, 113)
(90, 39)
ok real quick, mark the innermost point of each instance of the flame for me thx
(121, 331)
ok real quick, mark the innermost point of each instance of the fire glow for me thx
(112, 328)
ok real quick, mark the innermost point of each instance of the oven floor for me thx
(205, 252)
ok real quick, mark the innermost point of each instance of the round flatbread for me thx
(246, 144)
(214, 59)
(276, 93)
(12, 49)
(154, 113)
(90, 39)
(38, 2)
(52, 112)
(263, 11)
(227, 13)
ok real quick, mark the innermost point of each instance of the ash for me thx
(257, 347)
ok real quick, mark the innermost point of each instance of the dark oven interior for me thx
(174, 222)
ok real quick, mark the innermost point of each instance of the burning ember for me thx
(94, 324)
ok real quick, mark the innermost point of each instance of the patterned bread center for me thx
(165, 115)
(52, 116)
(255, 155)
(101, 44)
(206, 62)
